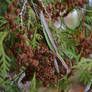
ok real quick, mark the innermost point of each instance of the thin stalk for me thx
(52, 42)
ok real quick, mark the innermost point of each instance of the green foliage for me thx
(66, 41)
(47, 39)
(31, 17)
(88, 22)
(9, 1)
(33, 84)
(3, 21)
(85, 76)
(85, 67)
(35, 40)
(4, 60)
(3, 7)
(85, 64)
(62, 84)
(47, 2)
(88, 19)
(10, 87)
(72, 52)
(33, 22)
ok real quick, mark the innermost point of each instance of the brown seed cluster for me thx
(56, 10)
(40, 61)
(73, 3)
(13, 12)
(45, 70)
(85, 46)
(24, 53)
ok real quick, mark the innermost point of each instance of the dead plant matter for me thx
(40, 61)
(45, 70)
(85, 46)
(58, 9)
(13, 12)
(73, 3)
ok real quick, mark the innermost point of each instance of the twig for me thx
(34, 8)
(56, 65)
(21, 13)
(88, 86)
(16, 77)
(89, 11)
(52, 42)
(41, 3)
(89, 28)
(64, 53)
(66, 56)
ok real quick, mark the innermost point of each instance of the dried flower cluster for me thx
(73, 3)
(45, 71)
(13, 12)
(57, 9)
(22, 44)
(24, 53)
(85, 46)
(40, 61)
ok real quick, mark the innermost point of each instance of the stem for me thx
(21, 13)
(52, 42)
(41, 3)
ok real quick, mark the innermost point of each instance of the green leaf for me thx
(34, 43)
(4, 61)
(31, 17)
(47, 39)
(33, 84)
(85, 66)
